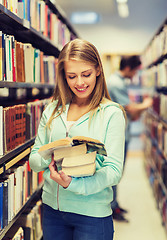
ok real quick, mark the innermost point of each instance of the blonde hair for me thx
(79, 50)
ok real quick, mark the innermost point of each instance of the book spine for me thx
(1, 132)
(13, 59)
(5, 203)
(4, 56)
(1, 58)
(1, 205)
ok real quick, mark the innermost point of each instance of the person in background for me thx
(119, 93)
(76, 208)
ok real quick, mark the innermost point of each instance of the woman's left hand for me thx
(59, 177)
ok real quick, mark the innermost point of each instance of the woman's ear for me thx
(97, 71)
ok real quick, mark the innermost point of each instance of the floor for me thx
(135, 194)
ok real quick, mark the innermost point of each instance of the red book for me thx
(17, 117)
(41, 68)
(7, 126)
(46, 21)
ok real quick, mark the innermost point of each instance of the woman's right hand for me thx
(60, 177)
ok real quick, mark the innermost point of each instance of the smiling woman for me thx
(76, 208)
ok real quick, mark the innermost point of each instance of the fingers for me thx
(59, 177)
(63, 176)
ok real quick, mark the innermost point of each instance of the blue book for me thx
(4, 55)
(28, 10)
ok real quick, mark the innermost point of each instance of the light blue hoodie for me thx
(92, 195)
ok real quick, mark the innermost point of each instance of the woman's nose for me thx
(80, 81)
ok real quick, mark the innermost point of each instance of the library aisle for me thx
(135, 194)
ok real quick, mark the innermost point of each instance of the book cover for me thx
(13, 59)
(28, 62)
(20, 9)
(5, 203)
(10, 59)
(4, 56)
(42, 80)
(1, 205)
(1, 132)
(22, 61)
(7, 57)
(42, 16)
(1, 58)
(11, 194)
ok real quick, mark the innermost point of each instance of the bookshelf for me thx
(21, 29)
(34, 197)
(154, 74)
(35, 31)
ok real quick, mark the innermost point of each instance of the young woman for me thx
(80, 208)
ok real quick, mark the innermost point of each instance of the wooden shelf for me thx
(25, 85)
(15, 155)
(158, 61)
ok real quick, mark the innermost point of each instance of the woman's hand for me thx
(59, 177)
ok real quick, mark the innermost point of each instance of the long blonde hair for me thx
(79, 50)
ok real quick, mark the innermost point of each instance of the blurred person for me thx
(117, 87)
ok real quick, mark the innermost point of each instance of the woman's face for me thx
(81, 78)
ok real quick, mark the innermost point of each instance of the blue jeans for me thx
(70, 226)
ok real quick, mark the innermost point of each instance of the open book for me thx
(63, 145)
(75, 156)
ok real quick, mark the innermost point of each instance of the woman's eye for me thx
(87, 75)
(71, 77)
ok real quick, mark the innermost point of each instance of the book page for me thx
(69, 151)
(80, 171)
(46, 150)
(79, 160)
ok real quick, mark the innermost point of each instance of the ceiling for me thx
(113, 33)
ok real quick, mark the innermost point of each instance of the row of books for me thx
(13, 127)
(21, 62)
(19, 123)
(15, 188)
(157, 132)
(37, 14)
(31, 222)
(156, 49)
(154, 160)
(158, 160)
(160, 105)
(48, 23)
(19, 235)
(156, 76)
(33, 115)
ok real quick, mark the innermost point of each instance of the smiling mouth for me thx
(81, 89)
